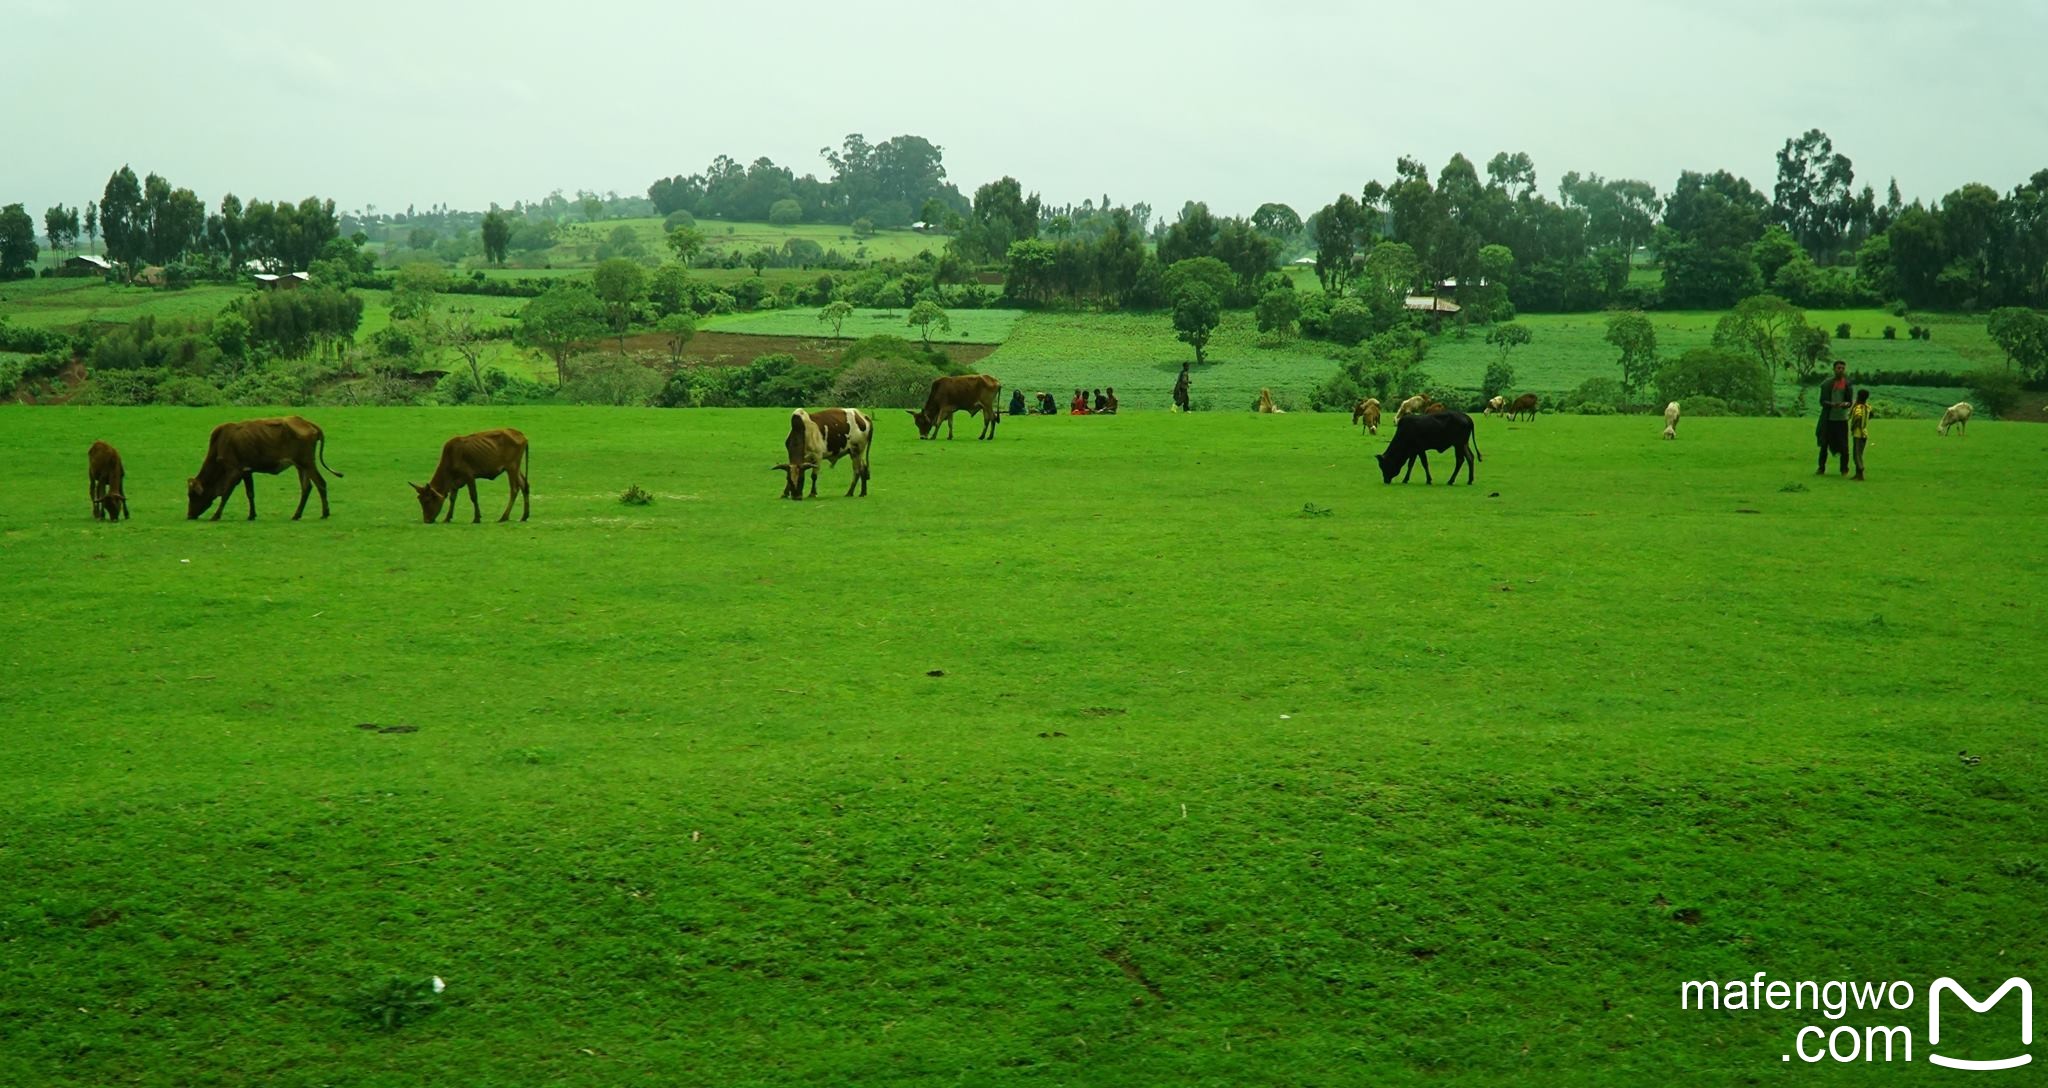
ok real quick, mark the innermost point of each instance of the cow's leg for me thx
(525, 496)
(949, 426)
(476, 511)
(1426, 477)
(1464, 462)
(814, 481)
(305, 491)
(249, 485)
(511, 494)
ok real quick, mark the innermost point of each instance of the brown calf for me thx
(103, 482)
(1368, 412)
(485, 455)
(1523, 405)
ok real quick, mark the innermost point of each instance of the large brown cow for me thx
(972, 393)
(1523, 405)
(826, 435)
(104, 478)
(485, 455)
(235, 452)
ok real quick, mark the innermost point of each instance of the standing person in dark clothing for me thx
(1832, 433)
(1182, 388)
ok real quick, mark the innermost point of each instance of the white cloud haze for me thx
(376, 103)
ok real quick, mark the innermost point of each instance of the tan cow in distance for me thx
(972, 393)
(235, 452)
(485, 455)
(104, 479)
(1367, 412)
(1410, 407)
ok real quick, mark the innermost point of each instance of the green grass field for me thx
(1086, 756)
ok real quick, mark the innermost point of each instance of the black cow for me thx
(1416, 435)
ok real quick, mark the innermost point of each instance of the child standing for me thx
(1859, 427)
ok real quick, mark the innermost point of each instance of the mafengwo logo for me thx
(1836, 999)
(1949, 985)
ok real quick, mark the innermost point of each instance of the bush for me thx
(785, 212)
(27, 341)
(266, 387)
(1842, 331)
(1891, 332)
(1994, 390)
(1704, 407)
(1595, 392)
(883, 383)
(1884, 409)
(1897, 309)
(677, 218)
(1593, 408)
(611, 380)
(458, 388)
(636, 495)
(1739, 380)
(188, 391)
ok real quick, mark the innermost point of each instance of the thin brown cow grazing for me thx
(235, 452)
(1523, 405)
(826, 435)
(104, 478)
(971, 393)
(485, 455)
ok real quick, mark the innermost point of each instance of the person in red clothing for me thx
(1079, 405)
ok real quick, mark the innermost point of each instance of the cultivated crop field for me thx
(1152, 749)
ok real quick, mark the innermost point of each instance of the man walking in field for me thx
(1181, 389)
(1832, 432)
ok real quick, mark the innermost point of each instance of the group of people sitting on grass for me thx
(1102, 403)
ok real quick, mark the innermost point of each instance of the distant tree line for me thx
(892, 184)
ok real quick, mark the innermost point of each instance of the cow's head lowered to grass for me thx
(430, 502)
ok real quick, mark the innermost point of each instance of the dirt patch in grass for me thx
(739, 349)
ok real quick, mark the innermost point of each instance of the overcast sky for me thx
(389, 104)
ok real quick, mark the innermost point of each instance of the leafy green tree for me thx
(1197, 310)
(1276, 221)
(92, 222)
(1500, 377)
(414, 287)
(685, 242)
(1001, 215)
(863, 227)
(1710, 223)
(2023, 335)
(1806, 348)
(1776, 249)
(623, 241)
(1350, 321)
(676, 330)
(1762, 326)
(1192, 235)
(1814, 197)
(924, 314)
(1339, 230)
(1507, 338)
(785, 212)
(760, 259)
(1278, 313)
(558, 319)
(619, 284)
(497, 231)
(1208, 272)
(1637, 338)
(120, 210)
(835, 314)
(669, 289)
(1391, 271)
(60, 226)
(1735, 377)
(18, 247)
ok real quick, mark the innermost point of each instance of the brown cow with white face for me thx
(104, 477)
(973, 393)
(826, 435)
(485, 455)
(235, 452)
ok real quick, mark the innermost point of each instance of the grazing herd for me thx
(236, 452)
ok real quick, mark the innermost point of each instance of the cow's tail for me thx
(320, 450)
(1476, 455)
